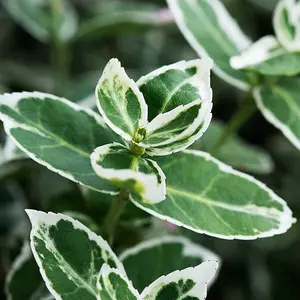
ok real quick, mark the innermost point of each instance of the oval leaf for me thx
(287, 25)
(69, 255)
(235, 152)
(115, 163)
(207, 196)
(57, 134)
(170, 253)
(280, 105)
(36, 18)
(211, 31)
(267, 57)
(120, 101)
(113, 285)
(190, 283)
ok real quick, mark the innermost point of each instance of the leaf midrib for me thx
(55, 137)
(210, 202)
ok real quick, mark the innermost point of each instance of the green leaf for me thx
(190, 283)
(24, 280)
(69, 255)
(287, 25)
(170, 253)
(267, 57)
(179, 101)
(178, 84)
(206, 196)
(57, 134)
(123, 19)
(280, 105)
(36, 18)
(120, 101)
(174, 125)
(117, 164)
(235, 152)
(211, 31)
(113, 285)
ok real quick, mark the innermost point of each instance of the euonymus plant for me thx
(135, 151)
(266, 70)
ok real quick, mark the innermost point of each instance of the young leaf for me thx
(113, 285)
(211, 31)
(190, 283)
(207, 196)
(115, 163)
(69, 255)
(170, 253)
(178, 84)
(24, 280)
(280, 105)
(36, 18)
(235, 152)
(174, 125)
(181, 144)
(267, 57)
(57, 134)
(120, 101)
(287, 25)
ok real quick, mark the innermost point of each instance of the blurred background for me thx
(62, 50)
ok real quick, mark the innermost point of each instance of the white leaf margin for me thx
(294, 14)
(233, 32)
(203, 66)
(154, 191)
(23, 256)
(104, 273)
(174, 148)
(12, 100)
(112, 68)
(190, 249)
(165, 118)
(202, 274)
(285, 217)
(287, 132)
(38, 218)
(256, 54)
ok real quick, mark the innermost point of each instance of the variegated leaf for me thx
(268, 57)
(280, 104)
(170, 253)
(286, 22)
(178, 84)
(69, 255)
(174, 125)
(113, 285)
(118, 165)
(120, 102)
(57, 134)
(211, 31)
(207, 196)
(190, 283)
(24, 280)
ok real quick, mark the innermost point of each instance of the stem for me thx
(113, 215)
(60, 53)
(242, 115)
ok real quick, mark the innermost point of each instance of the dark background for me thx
(251, 270)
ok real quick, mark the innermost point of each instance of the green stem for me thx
(113, 215)
(60, 51)
(242, 115)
